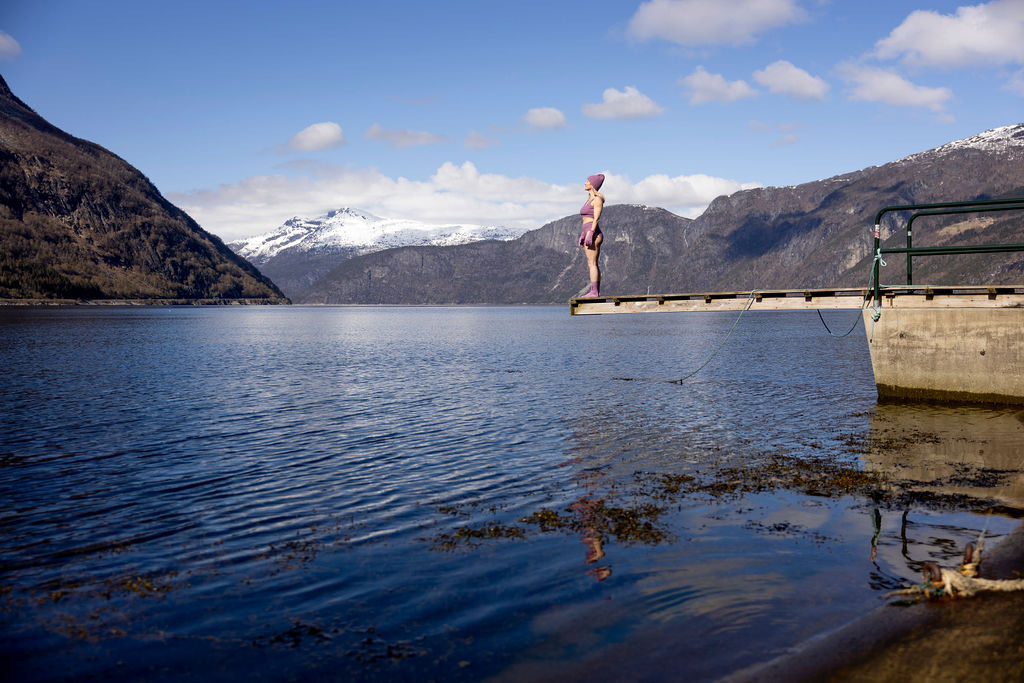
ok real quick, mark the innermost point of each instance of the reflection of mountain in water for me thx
(951, 450)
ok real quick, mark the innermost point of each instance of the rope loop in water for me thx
(839, 336)
(746, 307)
(876, 308)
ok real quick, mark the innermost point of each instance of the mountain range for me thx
(813, 235)
(301, 251)
(78, 222)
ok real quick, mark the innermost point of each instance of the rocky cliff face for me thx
(77, 222)
(820, 234)
(814, 235)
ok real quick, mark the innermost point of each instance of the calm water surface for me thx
(461, 493)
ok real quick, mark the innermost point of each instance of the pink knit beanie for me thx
(596, 180)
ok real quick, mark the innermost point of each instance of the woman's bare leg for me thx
(592, 261)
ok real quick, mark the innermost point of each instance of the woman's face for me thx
(587, 186)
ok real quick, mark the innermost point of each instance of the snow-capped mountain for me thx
(1004, 140)
(302, 250)
(351, 231)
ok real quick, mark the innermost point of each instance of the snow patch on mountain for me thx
(995, 140)
(361, 232)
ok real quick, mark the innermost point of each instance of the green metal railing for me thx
(938, 209)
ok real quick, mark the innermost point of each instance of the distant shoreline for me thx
(55, 303)
(141, 303)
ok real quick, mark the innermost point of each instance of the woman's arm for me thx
(598, 204)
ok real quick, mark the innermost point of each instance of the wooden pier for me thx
(923, 296)
(926, 342)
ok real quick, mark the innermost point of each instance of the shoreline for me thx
(973, 638)
(154, 303)
(136, 303)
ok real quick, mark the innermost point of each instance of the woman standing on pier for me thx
(591, 238)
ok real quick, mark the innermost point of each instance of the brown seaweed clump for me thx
(651, 494)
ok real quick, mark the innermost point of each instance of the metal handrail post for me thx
(874, 267)
(910, 258)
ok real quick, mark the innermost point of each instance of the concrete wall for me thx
(959, 354)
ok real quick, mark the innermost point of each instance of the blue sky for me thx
(248, 113)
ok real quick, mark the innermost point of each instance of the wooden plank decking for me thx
(923, 296)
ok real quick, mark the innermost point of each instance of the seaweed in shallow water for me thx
(650, 493)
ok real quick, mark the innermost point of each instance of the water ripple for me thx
(444, 493)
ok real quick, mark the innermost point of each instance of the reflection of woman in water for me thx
(590, 516)
(591, 238)
(588, 510)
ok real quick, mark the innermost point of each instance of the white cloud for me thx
(319, 136)
(453, 194)
(477, 140)
(9, 47)
(878, 85)
(710, 22)
(783, 78)
(681, 194)
(627, 104)
(545, 118)
(705, 87)
(985, 34)
(403, 138)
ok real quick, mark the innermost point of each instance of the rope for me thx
(954, 584)
(746, 307)
(876, 307)
(845, 334)
(964, 583)
(876, 313)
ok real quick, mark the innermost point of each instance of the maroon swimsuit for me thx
(588, 211)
